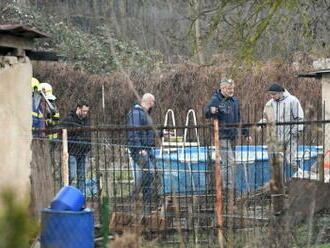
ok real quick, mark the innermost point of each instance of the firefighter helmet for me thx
(47, 89)
(35, 84)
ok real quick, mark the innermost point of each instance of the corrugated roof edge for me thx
(314, 74)
(22, 30)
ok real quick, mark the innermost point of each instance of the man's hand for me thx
(214, 110)
(168, 133)
(258, 129)
(248, 139)
(143, 152)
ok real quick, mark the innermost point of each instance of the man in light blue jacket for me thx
(286, 108)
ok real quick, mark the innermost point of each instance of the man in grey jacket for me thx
(285, 108)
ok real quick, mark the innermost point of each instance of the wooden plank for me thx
(276, 182)
(320, 164)
(16, 42)
(65, 158)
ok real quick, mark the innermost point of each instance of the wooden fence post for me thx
(65, 158)
(320, 164)
(218, 185)
(277, 235)
(276, 182)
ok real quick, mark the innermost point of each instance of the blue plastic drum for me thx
(67, 229)
(68, 198)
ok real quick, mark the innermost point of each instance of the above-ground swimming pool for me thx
(190, 170)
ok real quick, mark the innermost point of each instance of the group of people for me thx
(225, 107)
(45, 116)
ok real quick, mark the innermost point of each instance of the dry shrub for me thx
(127, 240)
(177, 86)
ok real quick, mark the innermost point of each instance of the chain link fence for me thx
(168, 193)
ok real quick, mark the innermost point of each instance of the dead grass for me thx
(177, 86)
(127, 240)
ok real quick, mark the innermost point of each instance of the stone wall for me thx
(15, 125)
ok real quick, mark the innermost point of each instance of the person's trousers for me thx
(289, 149)
(77, 171)
(147, 178)
(228, 170)
(227, 156)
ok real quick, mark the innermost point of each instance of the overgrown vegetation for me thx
(257, 29)
(17, 228)
(99, 52)
(179, 86)
(232, 29)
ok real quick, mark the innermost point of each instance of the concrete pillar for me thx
(15, 125)
(326, 101)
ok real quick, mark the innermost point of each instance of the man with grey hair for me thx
(225, 107)
(141, 143)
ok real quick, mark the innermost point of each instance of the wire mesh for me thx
(170, 192)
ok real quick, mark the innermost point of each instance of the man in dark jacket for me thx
(141, 144)
(79, 143)
(225, 107)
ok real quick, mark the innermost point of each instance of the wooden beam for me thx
(16, 42)
(65, 158)
(218, 185)
(276, 163)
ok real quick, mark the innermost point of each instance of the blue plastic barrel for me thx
(67, 229)
(68, 198)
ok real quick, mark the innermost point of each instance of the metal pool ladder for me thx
(191, 112)
(169, 144)
(175, 141)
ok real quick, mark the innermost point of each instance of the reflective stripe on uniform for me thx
(52, 136)
(50, 121)
(38, 115)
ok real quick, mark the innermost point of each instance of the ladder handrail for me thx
(192, 111)
(169, 111)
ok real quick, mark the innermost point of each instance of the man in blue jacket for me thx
(141, 143)
(225, 107)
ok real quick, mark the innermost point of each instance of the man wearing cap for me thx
(285, 107)
(226, 108)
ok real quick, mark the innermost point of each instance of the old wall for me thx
(43, 187)
(15, 124)
(326, 101)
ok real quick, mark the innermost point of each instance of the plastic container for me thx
(68, 198)
(67, 229)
